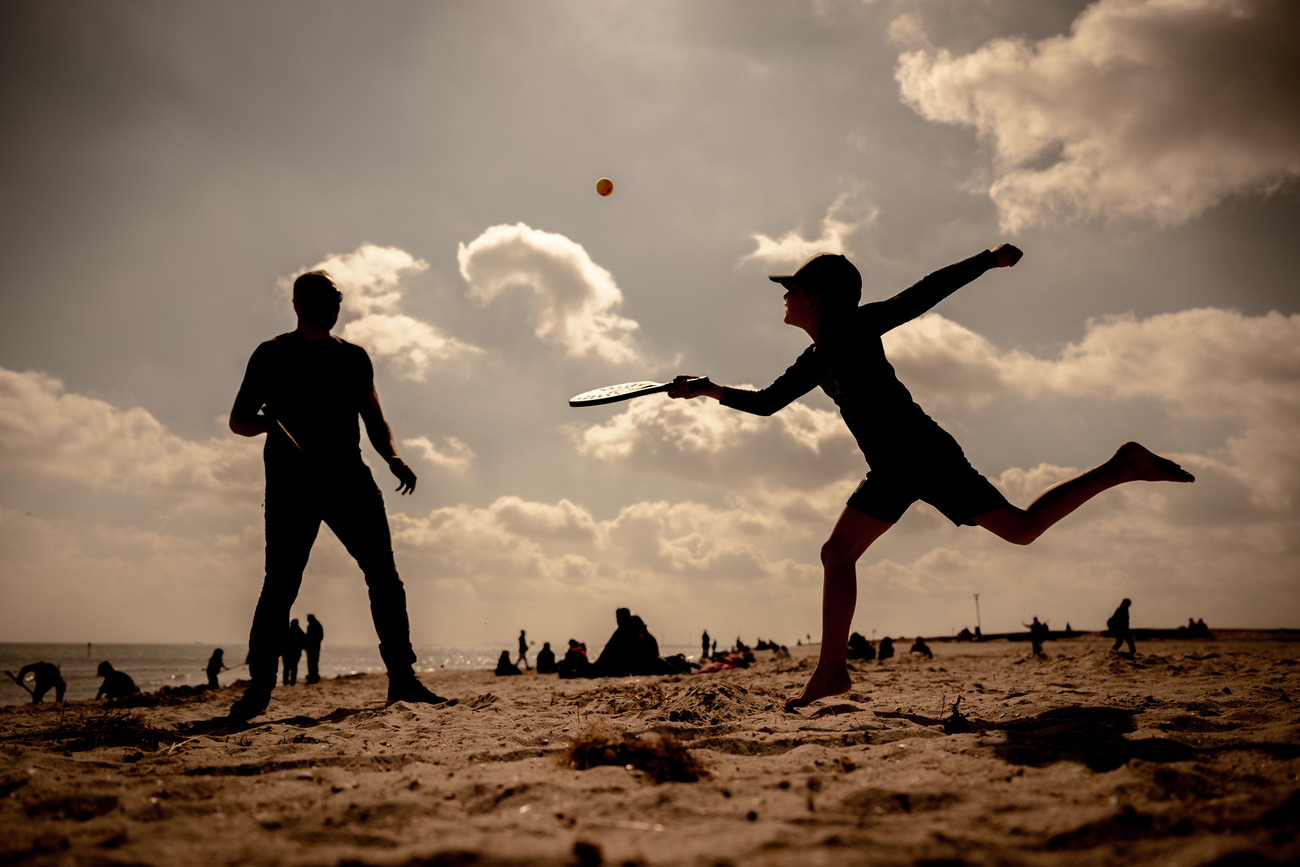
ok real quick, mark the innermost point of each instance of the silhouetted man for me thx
(46, 677)
(306, 389)
(311, 646)
(1118, 627)
(704, 646)
(291, 652)
(117, 684)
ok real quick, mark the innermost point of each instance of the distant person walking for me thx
(117, 684)
(306, 389)
(45, 677)
(523, 650)
(216, 665)
(1118, 626)
(311, 646)
(291, 652)
(910, 456)
(1037, 633)
(704, 646)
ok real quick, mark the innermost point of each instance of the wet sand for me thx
(1187, 754)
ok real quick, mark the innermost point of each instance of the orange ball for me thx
(604, 186)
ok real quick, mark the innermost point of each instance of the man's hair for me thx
(315, 286)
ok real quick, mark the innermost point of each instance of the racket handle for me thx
(698, 383)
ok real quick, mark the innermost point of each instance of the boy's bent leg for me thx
(853, 534)
(1131, 463)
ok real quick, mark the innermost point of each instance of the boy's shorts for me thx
(956, 489)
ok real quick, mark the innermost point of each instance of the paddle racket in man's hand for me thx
(629, 390)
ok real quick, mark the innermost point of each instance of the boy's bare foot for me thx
(1147, 466)
(821, 685)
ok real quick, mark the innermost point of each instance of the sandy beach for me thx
(1186, 754)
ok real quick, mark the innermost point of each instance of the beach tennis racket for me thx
(627, 391)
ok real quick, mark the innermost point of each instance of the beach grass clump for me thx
(661, 756)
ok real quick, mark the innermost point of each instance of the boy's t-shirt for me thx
(849, 364)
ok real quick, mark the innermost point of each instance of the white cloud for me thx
(411, 346)
(1199, 365)
(370, 279)
(1149, 109)
(801, 447)
(574, 299)
(454, 455)
(793, 248)
(46, 431)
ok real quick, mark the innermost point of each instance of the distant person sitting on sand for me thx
(910, 456)
(575, 662)
(886, 649)
(311, 646)
(523, 649)
(920, 648)
(505, 666)
(117, 684)
(1118, 626)
(216, 665)
(860, 648)
(45, 677)
(1037, 632)
(631, 650)
(294, 638)
(546, 659)
(965, 634)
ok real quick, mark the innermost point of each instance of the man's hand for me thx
(1007, 255)
(404, 475)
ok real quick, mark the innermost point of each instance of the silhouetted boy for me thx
(910, 456)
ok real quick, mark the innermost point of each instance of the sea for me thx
(153, 666)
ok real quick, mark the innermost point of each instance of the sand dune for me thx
(1187, 754)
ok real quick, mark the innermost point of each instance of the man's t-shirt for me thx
(316, 389)
(850, 366)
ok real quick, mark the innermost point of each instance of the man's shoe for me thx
(412, 691)
(252, 703)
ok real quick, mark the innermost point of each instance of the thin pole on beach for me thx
(978, 625)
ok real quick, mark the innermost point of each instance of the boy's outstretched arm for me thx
(921, 296)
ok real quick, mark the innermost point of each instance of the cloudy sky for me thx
(167, 169)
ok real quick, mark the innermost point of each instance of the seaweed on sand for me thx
(661, 756)
(109, 728)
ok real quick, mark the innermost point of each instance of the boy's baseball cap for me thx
(827, 274)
